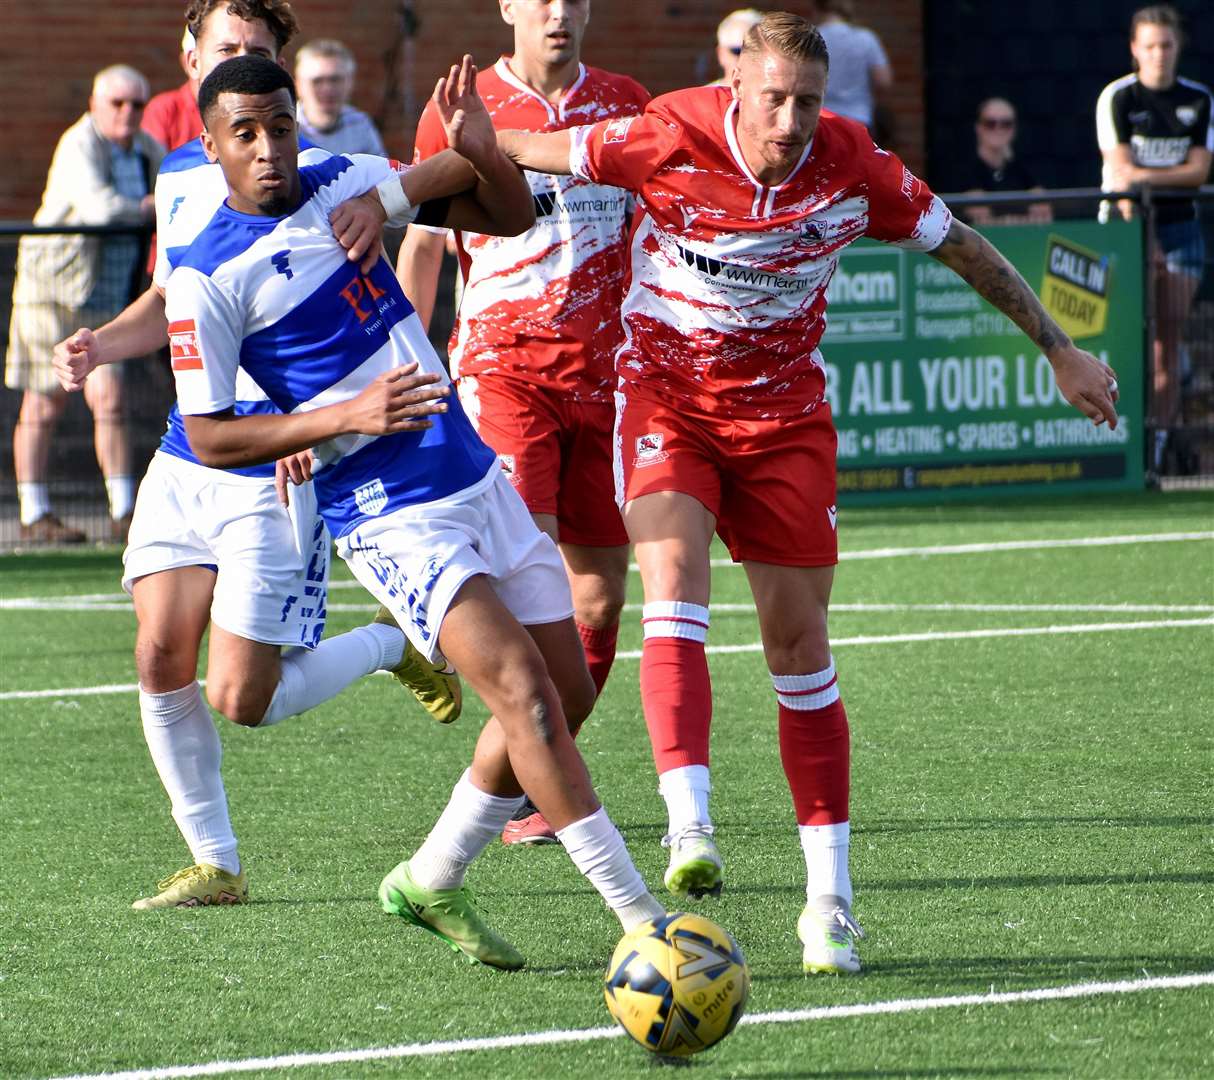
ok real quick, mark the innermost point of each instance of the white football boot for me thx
(829, 934)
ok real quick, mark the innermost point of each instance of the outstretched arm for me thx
(1087, 383)
(546, 152)
(399, 400)
(139, 330)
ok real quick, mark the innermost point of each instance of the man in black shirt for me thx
(1155, 130)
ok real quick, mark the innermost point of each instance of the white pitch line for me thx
(574, 1035)
(24, 603)
(756, 646)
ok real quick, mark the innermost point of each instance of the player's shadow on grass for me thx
(1020, 881)
(941, 1070)
(907, 825)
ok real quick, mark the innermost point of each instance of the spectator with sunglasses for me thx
(730, 35)
(101, 174)
(995, 167)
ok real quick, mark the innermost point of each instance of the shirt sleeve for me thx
(1112, 124)
(902, 209)
(204, 342)
(429, 140)
(157, 120)
(624, 152)
(876, 52)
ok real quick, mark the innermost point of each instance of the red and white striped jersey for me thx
(545, 306)
(728, 292)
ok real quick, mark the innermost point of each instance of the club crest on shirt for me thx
(1186, 114)
(617, 129)
(371, 498)
(508, 467)
(649, 449)
(812, 230)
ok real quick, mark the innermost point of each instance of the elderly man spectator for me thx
(730, 34)
(101, 174)
(324, 78)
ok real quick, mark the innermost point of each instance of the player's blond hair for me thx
(1156, 15)
(328, 49)
(786, 34)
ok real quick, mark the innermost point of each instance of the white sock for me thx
(35, 502)
(597, 850)
(471, 819)
(825, 848)
(686, 791)
(121, 491)
(185, 749)
(310, 677)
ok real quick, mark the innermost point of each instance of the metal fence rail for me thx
(1179, 331)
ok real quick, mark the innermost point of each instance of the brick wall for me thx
(49, 52)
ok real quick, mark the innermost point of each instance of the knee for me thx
(600, 608)
(163, 666)
(801, 651)
(531, 710)
(577, 700)
(237, 701)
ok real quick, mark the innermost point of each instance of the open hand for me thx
(463, 114)
(399, 400)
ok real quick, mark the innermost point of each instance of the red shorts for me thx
(770, 483)
(556, 451)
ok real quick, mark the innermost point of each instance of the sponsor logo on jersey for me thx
(183, 346)
(1186, 114)
(617, 129)
(649, 449)
(1156, 153)
(371, 498)
(741, 277)
(910, 184)
(545, 203)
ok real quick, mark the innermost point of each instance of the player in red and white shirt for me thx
(748, 193)
(539, 320)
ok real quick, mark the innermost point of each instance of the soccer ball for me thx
(677, 985)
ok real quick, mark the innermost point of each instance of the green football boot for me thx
(828, 934)
(450, 915)
(203, 885)
(695, 863)
(436, 686)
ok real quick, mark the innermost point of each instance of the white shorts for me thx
(272, 565)
(414, 560)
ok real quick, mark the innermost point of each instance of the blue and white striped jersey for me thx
(277, 297)
(189, 189)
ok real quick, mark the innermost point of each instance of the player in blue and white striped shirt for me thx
(216, 545)
(426, 520)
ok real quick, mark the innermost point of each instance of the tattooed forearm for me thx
(972, 257)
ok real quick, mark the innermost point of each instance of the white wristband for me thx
(399, 210)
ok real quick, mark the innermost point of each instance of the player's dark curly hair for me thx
(243, 75)
(276, 14)
(789, 35)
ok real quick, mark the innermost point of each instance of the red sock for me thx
(599, 645)
(815, 748)
(677, 698)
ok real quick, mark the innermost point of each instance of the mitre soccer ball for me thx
(677, 985)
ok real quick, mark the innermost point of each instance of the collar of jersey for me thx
(255, 219)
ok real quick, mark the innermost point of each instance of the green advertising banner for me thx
(935, 394)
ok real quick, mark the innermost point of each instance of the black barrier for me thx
(1178, 331)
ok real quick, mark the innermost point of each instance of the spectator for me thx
(995, 167)
(324, 77)
(101, 174)
(1156, 130)
(729, 40)
(171, 117)
(859, 68)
